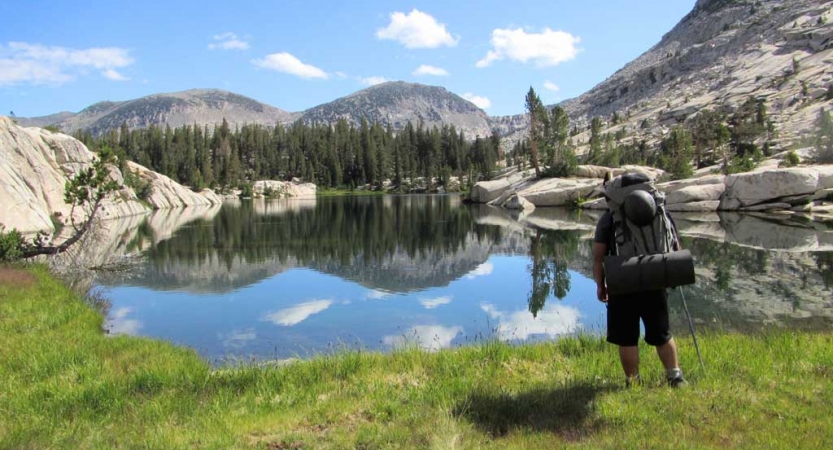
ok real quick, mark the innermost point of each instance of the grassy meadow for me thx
(64, 384)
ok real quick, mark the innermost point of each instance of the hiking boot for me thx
(677, 382)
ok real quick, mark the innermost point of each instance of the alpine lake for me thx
(263, 280)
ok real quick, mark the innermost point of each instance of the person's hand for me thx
(601, 293)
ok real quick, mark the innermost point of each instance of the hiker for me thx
(651, 306)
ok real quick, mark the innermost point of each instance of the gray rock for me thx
(559, 192)
(752, 188)
(697, 193)
(486, 191)
(518, 203)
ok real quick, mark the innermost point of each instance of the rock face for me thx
(200, 106)
(273, 188)
(35, 164)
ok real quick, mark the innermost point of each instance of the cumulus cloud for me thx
(484, 269)
(431, 303)
(545, 49)
(372, 81)
(298, 313)
(479, 101)
(427, 337)
(550, 86)
(21, 62)
(227, 41)
(416, 30)
(553, 320)
(425, 69)
(287, 63)
(120, 324)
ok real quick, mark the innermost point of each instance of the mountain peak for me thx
(396, 103)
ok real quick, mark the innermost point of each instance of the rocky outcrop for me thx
(283, 189)
(559, 191)
(487, 191)
(591, 171)
(167, 193)
(798, 190)
(35, 165)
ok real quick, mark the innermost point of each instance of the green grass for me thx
(63, 384)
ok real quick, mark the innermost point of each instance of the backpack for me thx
(656, 235)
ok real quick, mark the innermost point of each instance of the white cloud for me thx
(372, 81)
(120, 324)
(416, 30)
(554, 320)
(287, 63)
(479, 101)
(228, 41)
(425, 69)
(298, 313)
(21, 62)
(341, 74)
(431, 303)
(550, 86)
(112, 74)
(548, 48)
(484, 269)
(427, 337)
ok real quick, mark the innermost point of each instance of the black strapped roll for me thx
(648, 273)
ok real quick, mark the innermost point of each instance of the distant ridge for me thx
(200, 106)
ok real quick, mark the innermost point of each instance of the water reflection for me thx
(286, 278)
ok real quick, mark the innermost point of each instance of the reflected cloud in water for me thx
(552, 321)
(427, 337)
(484, 269)
(120, 324)
(237, 338)
(431, 303)
(298, 313)
(377, 294)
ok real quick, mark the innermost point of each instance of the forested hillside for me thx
(340, 156)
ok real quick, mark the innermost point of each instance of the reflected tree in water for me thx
(551, 253)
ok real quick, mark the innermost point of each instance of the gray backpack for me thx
(641, 226)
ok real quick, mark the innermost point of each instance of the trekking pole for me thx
(691, 327)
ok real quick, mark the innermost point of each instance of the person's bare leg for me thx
(629, 356)
(668, 355)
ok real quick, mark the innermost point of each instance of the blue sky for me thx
(63, 56)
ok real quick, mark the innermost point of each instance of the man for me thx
(624, 313)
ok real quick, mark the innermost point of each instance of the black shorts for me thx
(624, 313)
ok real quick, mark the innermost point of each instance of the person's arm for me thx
(599, 252)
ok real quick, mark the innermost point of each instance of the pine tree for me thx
(533, 109)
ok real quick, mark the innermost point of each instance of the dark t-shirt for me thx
(604, 230)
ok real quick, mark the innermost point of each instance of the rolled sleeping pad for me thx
(649, 272)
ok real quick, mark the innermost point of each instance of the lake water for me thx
(293, 278)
